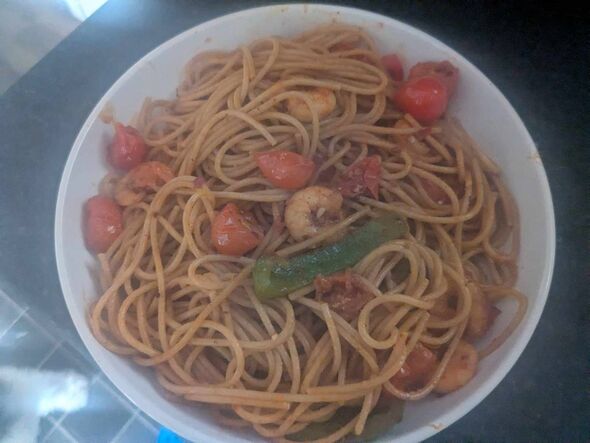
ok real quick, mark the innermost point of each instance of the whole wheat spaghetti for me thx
(172, 302)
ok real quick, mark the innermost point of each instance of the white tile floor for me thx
(108, 417)
(29, 29)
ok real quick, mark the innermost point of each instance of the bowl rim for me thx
(448, 417)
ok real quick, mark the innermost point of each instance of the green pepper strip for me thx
(276, 277)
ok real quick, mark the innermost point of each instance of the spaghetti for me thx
(170, 301)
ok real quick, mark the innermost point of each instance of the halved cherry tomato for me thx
(425, 98)
(127, 149)
(444, 71)
(416, 370)
(235, 232)
(361, 177)
(285, 169)
(393, 65)
(103, 223)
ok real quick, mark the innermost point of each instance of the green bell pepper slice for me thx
(277, 277)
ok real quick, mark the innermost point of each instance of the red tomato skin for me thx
(234, 232)
(445, 71)
(285, 169)
(393, 65)
(424, 98)
(103, 223)
(361, 177)
(128, 149)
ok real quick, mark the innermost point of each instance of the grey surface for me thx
(29, 29)
(537, 56)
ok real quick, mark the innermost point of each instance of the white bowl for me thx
(481, 107)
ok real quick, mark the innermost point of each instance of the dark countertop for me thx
(538, 57)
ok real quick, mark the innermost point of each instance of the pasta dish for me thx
(303, 238)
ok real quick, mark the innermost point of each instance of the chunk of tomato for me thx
(444, 71)
(344, 292)
(425, 98)
(127, 150)
(103, 223)
(416, 370)
(235, 232)
(285, 169)
(361, 177)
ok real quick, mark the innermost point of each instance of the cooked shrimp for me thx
(323, 99)
(460, 369)
(148, 176)
(311, 210)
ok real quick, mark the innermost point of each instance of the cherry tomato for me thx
(127, 149)
(361, 177)
(416, 370)
(444, 71)
(425, 98)
(393, 65)
(285, 169)
(235, 232)
(103, 223)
